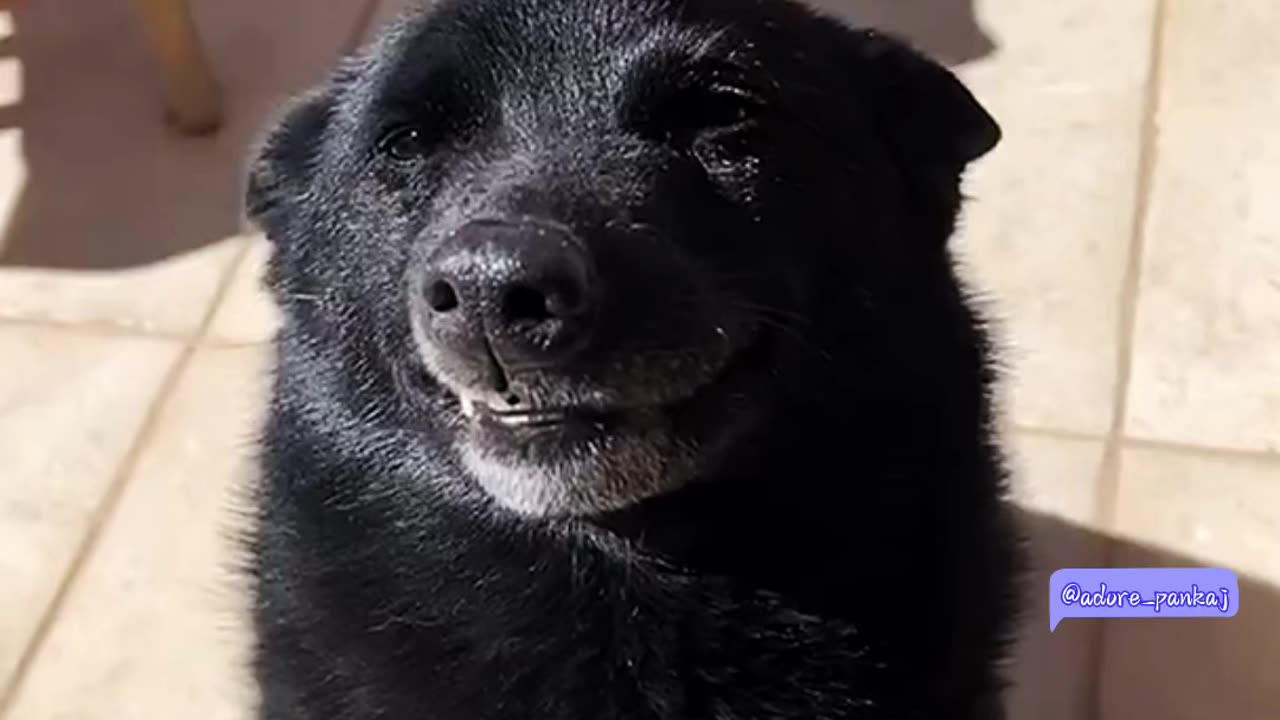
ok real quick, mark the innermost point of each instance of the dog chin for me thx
(572, 472)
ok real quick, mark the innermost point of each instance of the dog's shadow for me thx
(1173, 669)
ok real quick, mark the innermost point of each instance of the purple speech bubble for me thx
(1142, 593)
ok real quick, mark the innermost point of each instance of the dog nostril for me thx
(441, 296)
(565, 302)
(525, 303)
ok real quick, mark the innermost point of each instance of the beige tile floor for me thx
(1126, 234)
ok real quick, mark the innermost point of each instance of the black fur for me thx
(841, 549)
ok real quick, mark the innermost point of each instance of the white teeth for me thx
(470, 408)
(527, 419)
(473, 409)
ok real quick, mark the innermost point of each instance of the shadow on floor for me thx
(107, 184)
(948, 30)
(1174, 669)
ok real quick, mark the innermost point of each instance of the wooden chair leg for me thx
(194, 98)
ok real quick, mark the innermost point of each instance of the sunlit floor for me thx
(1126, 234)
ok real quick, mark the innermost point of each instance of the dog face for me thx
(595, 243)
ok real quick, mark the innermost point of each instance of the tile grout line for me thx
(133, 331)
(1108, 478)
(1139, 443)
(1201, 451)
(106, 508)
(1057, 434)
(217, 343)
(1130, 290)
(99, 328)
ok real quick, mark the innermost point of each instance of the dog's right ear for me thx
(921, 106)
(285, 163)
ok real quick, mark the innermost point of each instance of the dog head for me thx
(595, 242)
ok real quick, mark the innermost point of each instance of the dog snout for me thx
(524, 293)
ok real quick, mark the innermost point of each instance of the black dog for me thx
(625, 375)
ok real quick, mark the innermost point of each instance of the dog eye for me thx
(708, 110)
(724, 106)
(402, 144)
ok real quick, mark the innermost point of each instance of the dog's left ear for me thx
(284, 162)
(921, 106)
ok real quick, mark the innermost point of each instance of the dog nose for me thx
(525, 292)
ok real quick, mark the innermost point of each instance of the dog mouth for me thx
(569, 421)
(566, 456)
(541, 419)
(530, 419)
